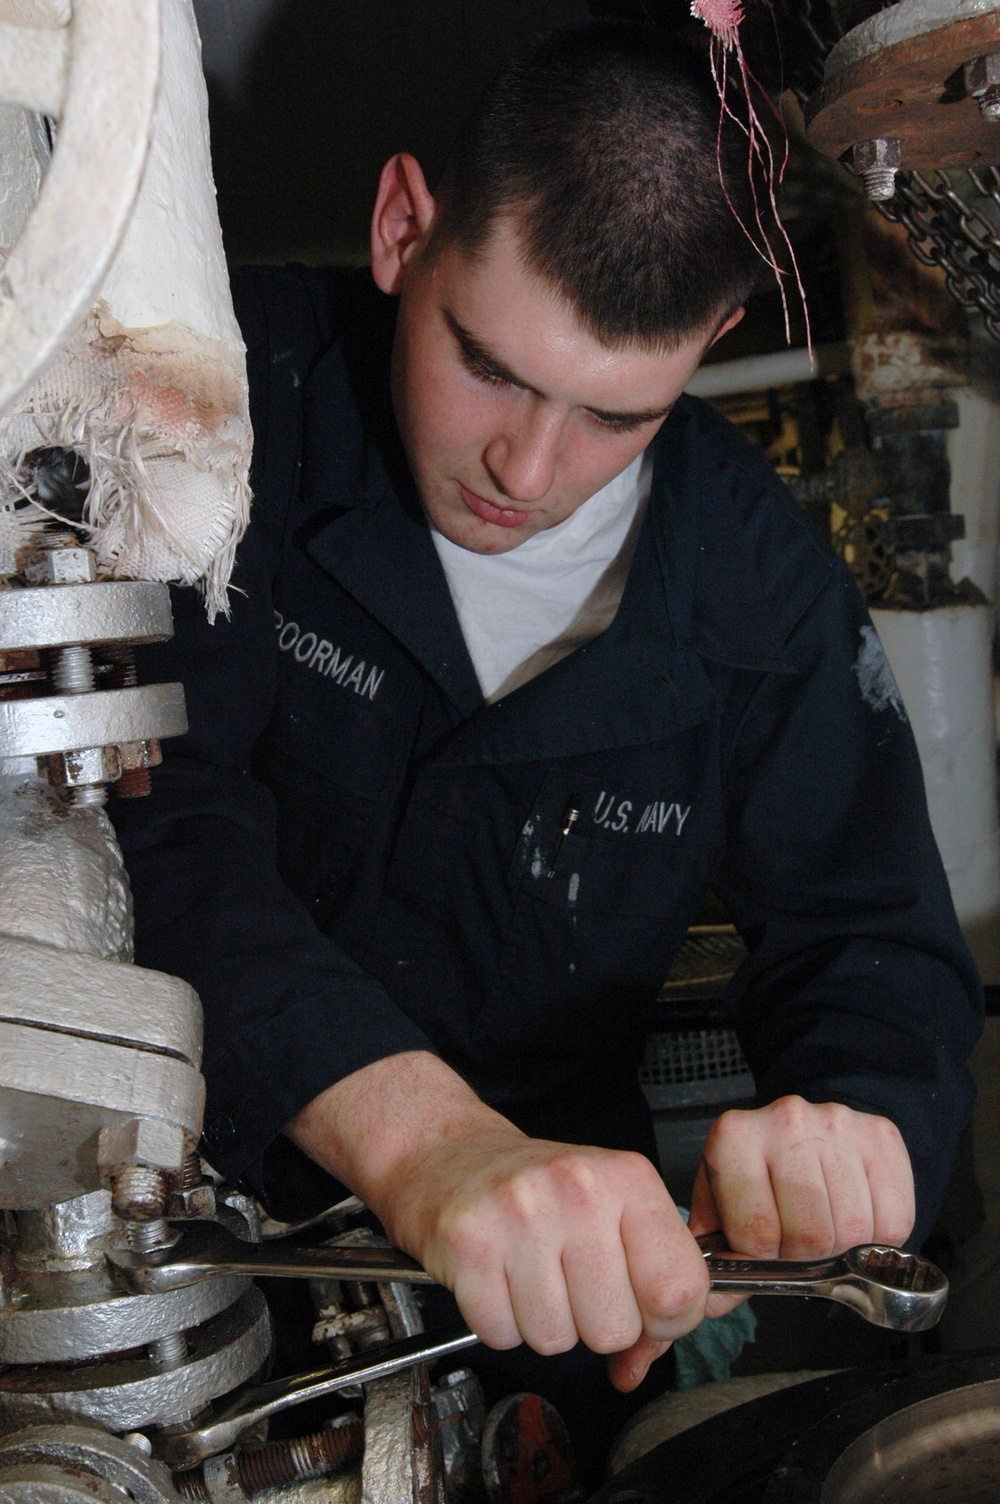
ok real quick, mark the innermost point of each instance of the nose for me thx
(522, 458)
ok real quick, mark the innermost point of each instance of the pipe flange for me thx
(49, 616)
(107, 717)
(79, 1448)
(131, 1392)
(63, 1318)
(891, 77)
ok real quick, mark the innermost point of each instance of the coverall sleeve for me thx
(858, 987)
(287, 1013)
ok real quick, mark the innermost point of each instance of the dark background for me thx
(308, 98)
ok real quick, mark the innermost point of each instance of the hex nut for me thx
(85, 765)
(141, 1141)
(195, 1201)
(880, 151)
(876, 162)
(981, 72)
(62, 566)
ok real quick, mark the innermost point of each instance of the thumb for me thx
(627, 1369)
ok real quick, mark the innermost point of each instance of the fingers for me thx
(802, 1180)
(551, 1244)
(613, 1262)
(890, 1176)
(666, 1268)
(569, 1244)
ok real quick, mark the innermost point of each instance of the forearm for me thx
(374, 1129)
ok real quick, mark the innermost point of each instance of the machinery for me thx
(124, 445)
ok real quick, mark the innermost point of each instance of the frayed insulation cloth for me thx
(159, 416)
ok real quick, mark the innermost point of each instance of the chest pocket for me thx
(591, 846)
(331, 756)
(600, 904)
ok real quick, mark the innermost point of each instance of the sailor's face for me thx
(512, 414)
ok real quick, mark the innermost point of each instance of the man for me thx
(551, 651)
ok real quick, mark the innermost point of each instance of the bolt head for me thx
(879, 152)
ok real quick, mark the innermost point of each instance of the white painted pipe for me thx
(974, 457)
(754, 373)
(942, 662)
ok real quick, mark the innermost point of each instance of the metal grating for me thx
(706, 958)
(673, 1059)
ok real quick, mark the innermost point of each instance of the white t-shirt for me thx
(523, 610)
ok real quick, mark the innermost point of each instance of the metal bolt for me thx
(140, 1441)
(83, 772)
(146, 1237)
(277, 1463)
(73, 670)
(982, 81)
(876, 162)
(192, 1172)
(170, 1352)
(139, 1194)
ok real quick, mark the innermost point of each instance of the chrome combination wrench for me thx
(886, 1286)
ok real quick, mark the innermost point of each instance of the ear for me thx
(730, 323)
(402, 219)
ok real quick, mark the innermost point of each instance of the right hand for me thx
(540, 1242)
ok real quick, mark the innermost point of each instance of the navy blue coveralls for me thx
(350, 854)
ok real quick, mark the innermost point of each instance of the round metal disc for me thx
(908, 83)
(61, 1318)
(83, 1448)
(929, 1436)
(63, 723)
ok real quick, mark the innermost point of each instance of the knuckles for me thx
(549, 1343)
(678, 1294)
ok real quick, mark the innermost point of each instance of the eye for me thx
(483, 372)
(619, 425)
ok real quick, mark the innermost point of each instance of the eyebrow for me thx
(476, 353)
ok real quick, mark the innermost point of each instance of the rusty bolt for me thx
(876, 162)
(276, 1464)
(136, 759)
(982, 81)
(82, 767)
(138, 1193)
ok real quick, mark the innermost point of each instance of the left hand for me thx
(794, 1180)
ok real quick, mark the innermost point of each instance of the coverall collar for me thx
(377, 545)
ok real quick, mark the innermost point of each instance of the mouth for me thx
(487, 512)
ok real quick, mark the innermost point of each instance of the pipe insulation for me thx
(151, 390)
(942, 663)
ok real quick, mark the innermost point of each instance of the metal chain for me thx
(948, 230)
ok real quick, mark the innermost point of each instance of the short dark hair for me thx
(602, 141)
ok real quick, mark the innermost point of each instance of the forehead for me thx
(527, 325)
